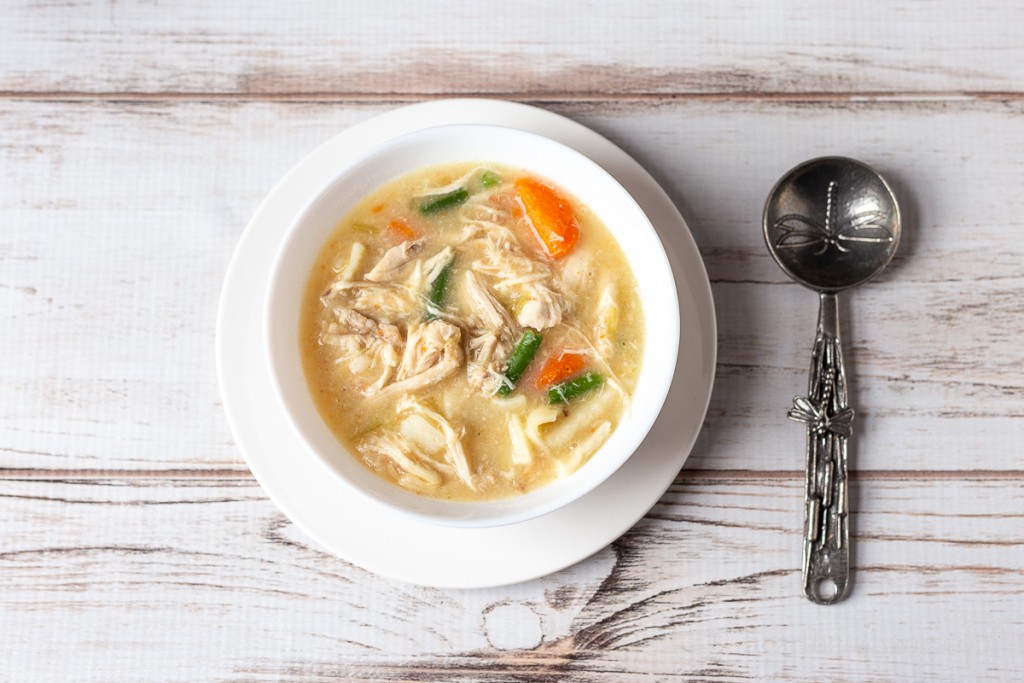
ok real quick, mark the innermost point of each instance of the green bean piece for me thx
(571, 388)
(517, 363)
(439, 291)
(444, 201)
(490, 179)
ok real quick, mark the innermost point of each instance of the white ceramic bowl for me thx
(566, 168)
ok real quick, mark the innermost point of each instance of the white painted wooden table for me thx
(135, 142)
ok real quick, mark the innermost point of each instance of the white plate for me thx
(396, 546)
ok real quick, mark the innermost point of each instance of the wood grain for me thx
(532, 48)
(138, 139)
(115, 247)
(229, 590)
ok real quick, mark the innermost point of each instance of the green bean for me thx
(490, 179)
(439, 291)
(571, 388)
(517, 363)
(444, 201)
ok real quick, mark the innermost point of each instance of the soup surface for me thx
(471, 332)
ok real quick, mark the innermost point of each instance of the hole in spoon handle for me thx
(826, 553)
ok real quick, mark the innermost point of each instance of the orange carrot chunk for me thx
(560, 368)
(402, 230)
(551, 216)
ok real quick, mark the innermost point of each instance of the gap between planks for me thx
(694, 476)
(392, 97)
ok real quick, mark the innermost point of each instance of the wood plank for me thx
(120, 218)
(534, 48)
(185, 580)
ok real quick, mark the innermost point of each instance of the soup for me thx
(471, 332)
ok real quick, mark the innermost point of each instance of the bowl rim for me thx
(642, 424)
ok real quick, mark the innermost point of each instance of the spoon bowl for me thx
(832, 223)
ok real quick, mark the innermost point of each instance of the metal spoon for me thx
(831, 224)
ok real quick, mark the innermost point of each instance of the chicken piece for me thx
(390, 300)
(428, 344)
(501, 256)
(393, 260)
(364, 344)
(432, 352)
(494, 334)
(389, 333)
(387, 340)
(541, 308)
(394, 302)
(426, 271)
(353, 321)
(577, 280)
(346, 266)
(362, 352)
(519, 276)
(486, 310)
(455, 454)
(484, 365)
(402, 454)
(433, 266)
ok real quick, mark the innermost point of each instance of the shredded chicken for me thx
(390, 300)
(347, 266)
(425, 271)
(428, 344)
(402, 454)
(432, 352)
(487, 312)
(355, 322)
(541, 307)
(494, 333)
(484, 366)
(433, 266)
(365, 344)
(455, 454)
(520, 277)
(393, 260)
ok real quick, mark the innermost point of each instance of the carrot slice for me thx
(402, 230)
(551, 216)
(560, 368)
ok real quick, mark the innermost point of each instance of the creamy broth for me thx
(426, 299)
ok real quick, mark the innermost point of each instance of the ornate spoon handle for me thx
(826, 560)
